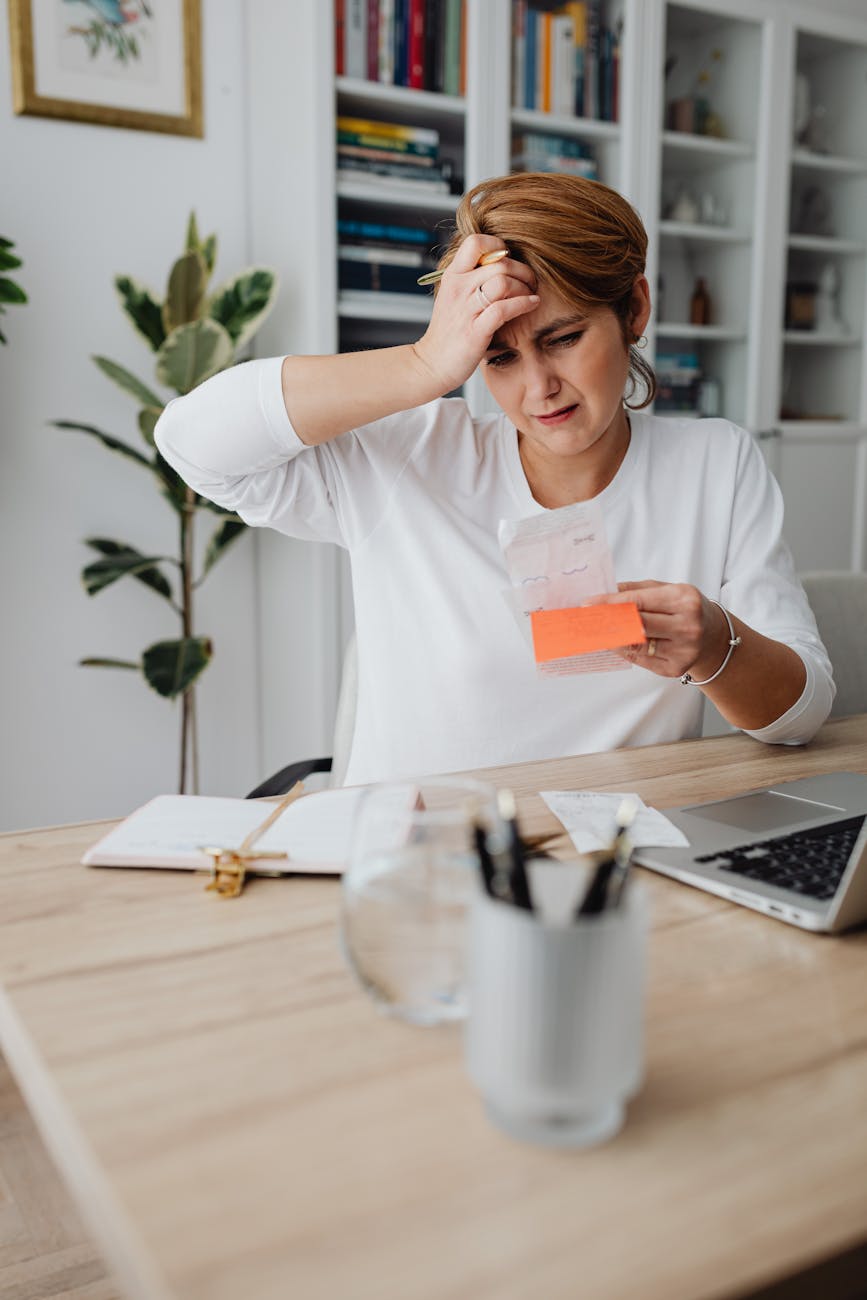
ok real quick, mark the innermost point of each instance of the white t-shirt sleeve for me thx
(232, 441)
(760, 586)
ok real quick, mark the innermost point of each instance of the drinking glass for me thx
(407, 888)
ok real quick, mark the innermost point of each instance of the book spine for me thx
(339, 37)
(375, 183)
(373, 230)
(543, 92)
(427, 135)
(416, 44)
(462, 76)
(401, 42)
(563, 65)
(452, 51)
(378, 277)
(374, 167)
(531, 33)
(385, 253)
(372, 40)
(386, 42)
(355, 29)
(519, 51)
(367, 146)
(591, 61)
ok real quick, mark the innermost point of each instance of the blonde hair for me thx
(582, 240)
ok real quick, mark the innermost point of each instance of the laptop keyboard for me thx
(809, 862)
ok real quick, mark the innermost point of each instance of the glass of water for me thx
(411, 877)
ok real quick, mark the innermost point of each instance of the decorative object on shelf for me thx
(708, 400)
(10, 291)
(813, 215)
(827, 303)
(684, 208)
(194, 335)
(712, 211)
(694, 113)
(132, 64)
(699, 304)
(800, 305)
(808, 118)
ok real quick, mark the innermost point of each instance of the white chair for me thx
(839, 603)
(344, 725)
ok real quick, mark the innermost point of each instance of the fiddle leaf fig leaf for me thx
(174, 489)
(8, 261)
(224, 535)
(10, 291)
(243, 302)
(171, 666)
(108, 440)
(147, 422)
(128, 382)
(93, 662)
(185, 291)
(142, 309)
(192, 353)
(121, 561)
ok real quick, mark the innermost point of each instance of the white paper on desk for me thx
(170, 831)
(557, 560)
(591, 818)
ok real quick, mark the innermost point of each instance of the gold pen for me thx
(485, 260)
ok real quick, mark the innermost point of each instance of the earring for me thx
(640, 340)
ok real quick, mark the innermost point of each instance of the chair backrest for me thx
(344, 723)
(839, 603)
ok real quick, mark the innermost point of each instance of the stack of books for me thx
(565, 59)
(389, 156)
(375, 257)
(536, 151)
(416, 43)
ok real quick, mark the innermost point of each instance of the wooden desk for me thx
(238, 1122)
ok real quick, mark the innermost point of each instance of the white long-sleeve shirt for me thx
(446, 679)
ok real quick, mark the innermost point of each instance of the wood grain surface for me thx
(236, 1120)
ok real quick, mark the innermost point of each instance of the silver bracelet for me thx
(734, 642)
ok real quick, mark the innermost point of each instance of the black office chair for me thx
(344, 725)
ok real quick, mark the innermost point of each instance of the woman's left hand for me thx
(686, 632)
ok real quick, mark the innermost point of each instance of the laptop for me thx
(796, 851)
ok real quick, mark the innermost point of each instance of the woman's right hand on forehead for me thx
(471, 304)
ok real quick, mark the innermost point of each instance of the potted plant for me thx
(194, 335)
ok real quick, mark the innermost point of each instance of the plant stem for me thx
(188, 714)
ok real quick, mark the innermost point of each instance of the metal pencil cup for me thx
(554, 1038)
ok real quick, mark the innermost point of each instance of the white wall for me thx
(83, 203)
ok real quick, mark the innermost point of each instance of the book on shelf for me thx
(416, 43)
(363, 165)
(392, 233)
(565, 59)
(379, 184)
(388, 135)
(536, 151)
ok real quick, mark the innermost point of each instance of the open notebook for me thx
(172, 830)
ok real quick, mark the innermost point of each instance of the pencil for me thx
(431, 277)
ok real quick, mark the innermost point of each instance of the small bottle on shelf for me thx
(699, 304)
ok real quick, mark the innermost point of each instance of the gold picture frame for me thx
(69, 75)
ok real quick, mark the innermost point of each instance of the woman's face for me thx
(559, 372)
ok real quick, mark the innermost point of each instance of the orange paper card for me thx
(558, 633)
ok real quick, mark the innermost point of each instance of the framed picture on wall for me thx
(129, 63)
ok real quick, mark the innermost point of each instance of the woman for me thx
(365, 450)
